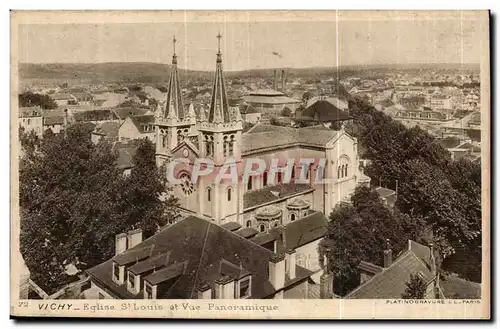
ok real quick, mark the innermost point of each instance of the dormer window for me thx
(149, 291)
(244, 286)
(131, 282)
(118, 273)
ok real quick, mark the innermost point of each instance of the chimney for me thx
(134, 237)
(275, 79)
(120, 243)
(290, 262)
(224, 287)
(283, 80)
(388, 254)
(204, 291)
(277, 271)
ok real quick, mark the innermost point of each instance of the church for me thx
(262, 230)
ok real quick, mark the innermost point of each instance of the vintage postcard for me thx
(250, 164)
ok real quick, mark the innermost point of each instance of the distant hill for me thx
(158, 73)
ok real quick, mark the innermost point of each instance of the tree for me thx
(31, 99)
(415, 288)
(68, 193)
(146, 201)
(305, 97)
(286, 112)
(359, 231)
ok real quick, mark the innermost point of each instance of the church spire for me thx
(219, 105)
(174, 107)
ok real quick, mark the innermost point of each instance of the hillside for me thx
(158, 73)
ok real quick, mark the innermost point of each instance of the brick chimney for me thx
(134, 237)
(290, 263)
(388, 254)
(277, 271)
(224, 287)
(204, 291)
(120, 243)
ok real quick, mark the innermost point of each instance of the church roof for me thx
(271, 193)
(219, 104)
(262, 137)
(174, 106)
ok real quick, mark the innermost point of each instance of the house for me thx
(107, 131)
(389, 281)
(387, 196)
(95, 116)
(137, 127)
(126, 151)
(196, 259)
(123, 113)
(31, 119)
(322, 111)
(64, 99)
(250, 114)
(54, 120)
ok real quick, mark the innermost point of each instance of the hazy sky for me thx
(251, 45)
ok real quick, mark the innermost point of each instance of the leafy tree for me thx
(31, 99)
(286, 112)
(29, 140)
(146, 202)
(359, 231)
(415, 288)
(68, 193)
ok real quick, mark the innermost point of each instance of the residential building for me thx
(107, 131)
(31, 119)
(137, 127)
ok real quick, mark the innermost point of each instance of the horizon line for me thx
(248, 69)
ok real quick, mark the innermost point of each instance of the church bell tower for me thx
(220, 141)
(173, 123)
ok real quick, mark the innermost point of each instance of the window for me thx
(229, 194)
(131, 281)
(29, 121)
(264, 178)
(244, 288)
(292, 217)
(292, 176)
(304, 214)
(209, 194)
(276, 224)
(116, 272)
(249, 184)
(279, 177)
(338, 172)
(345, 171)
(186, 184)
(262, 228)
(148, 291)
(249, 223)
(164, 141)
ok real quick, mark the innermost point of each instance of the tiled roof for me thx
(232, 226)
(261, 137)
(150, 264)
(247, 232)
(133, 255)
(201, 245)
(95, 115)
(31, 111)
(143, 121)
(305, 230)
(260, 99)
(109, 129)
(391, 282)
(167, 273)
(324, 111)
(268, 194)
(124, 112)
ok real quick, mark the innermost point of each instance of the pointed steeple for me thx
(174, 107)
(219, 105)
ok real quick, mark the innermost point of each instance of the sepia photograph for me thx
(250, 164)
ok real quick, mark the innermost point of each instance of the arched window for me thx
(264, 177)
(292, 217)
(345, 173)
(262, 228)
(338, 172)
(249, 223)
(209, 194)
(292, 175)
(249, 184)
(231, 145)
(164, 141)
(229, 194)
(225, 145)
(279, 176)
